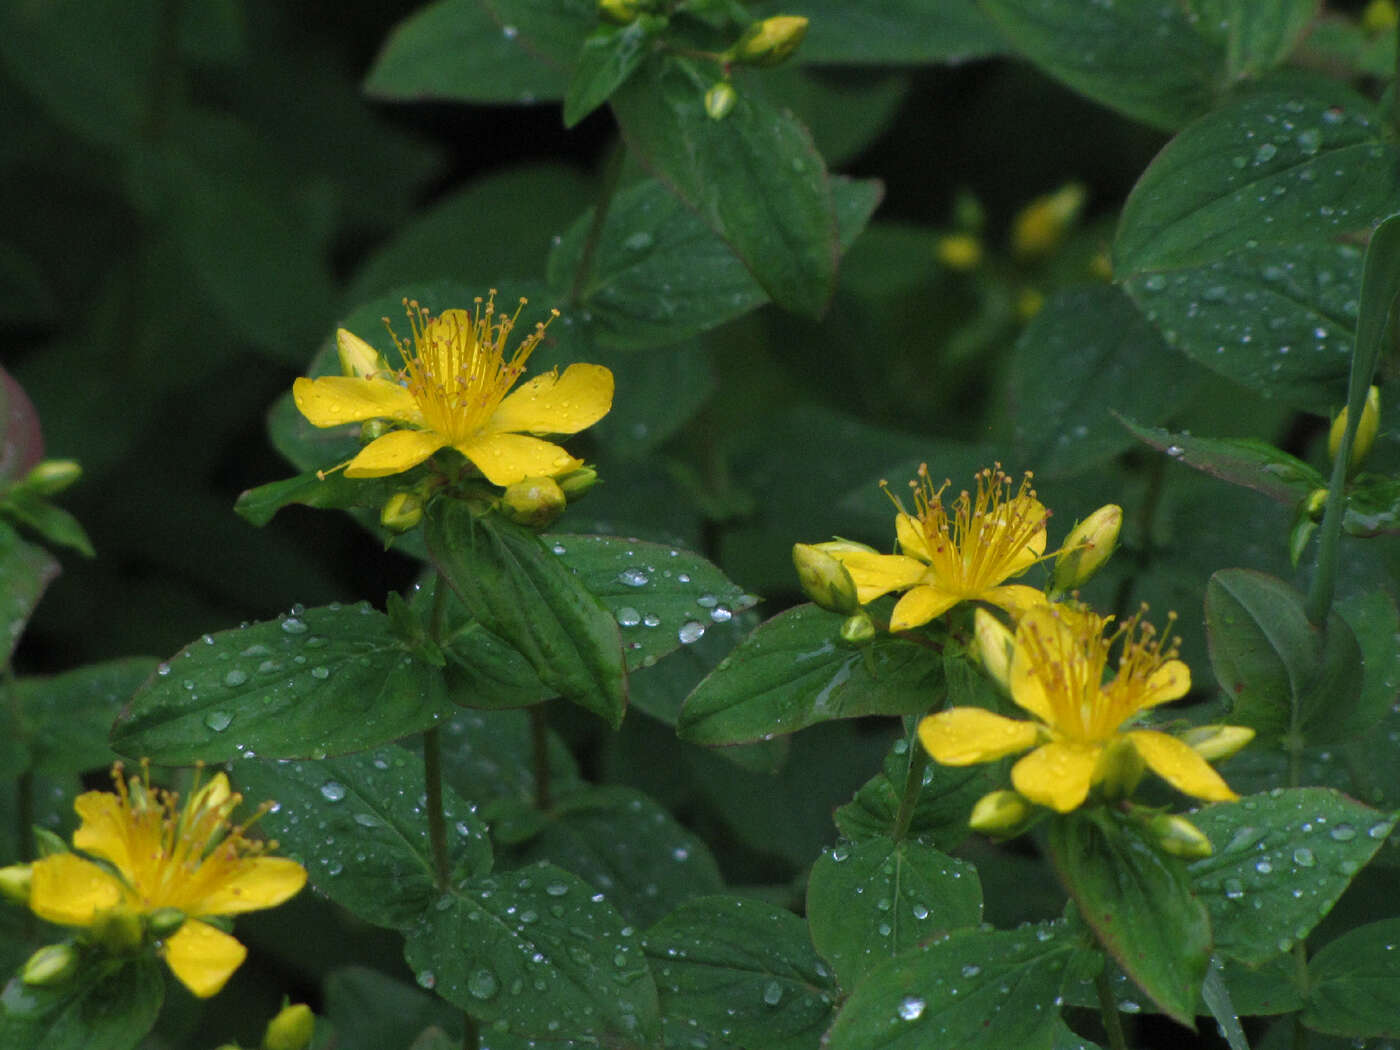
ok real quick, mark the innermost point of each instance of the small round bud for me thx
(622, 12)
(165, 922)
(53, 964)
(291, 1029)
(858, 628)
(1179, 837)
(1379, 17)
(1120, 769)
(1087, 547)
(1365, 431)
(824, 579)
(534, 502)
(769, 42)
(1216, 742)
(720, 99)
(992, 647)
(576, 483)
(1042, 224)
(960, 251)
(1315, 504)
(401, 511)
(52, 476)
(15, 881)
(357, 358)
(1000, 814)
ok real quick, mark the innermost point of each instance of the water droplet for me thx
(920, 912)
(482, 984)
(1234, 889)
(426, 979)
(628, 616)
(163, 669)
(509, 32)
(1343, 833)
(633, 577)
(707, 601)
(321, 672)
(721, 614)
(772, 993)
(333, 791)
(218, 721)
(971, 970)
(1303, 857)
(235, 678)
(556, 889)
(1263, 867)
(1378, 831)
(911, 1008)
(690, 631)
(292, 625)
(638, 241)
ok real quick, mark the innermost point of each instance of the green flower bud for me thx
(1120, 769)
(1042, 224)
(621, 12)
(720, 99)
(534, 502)
(53, 476)
(291, 1029)
(165, 922)
(769, 42)
(1000, 814)
(1087, 547)
(15, 881)
(401, 511)
(992, 648)
(1366, 431)
(576, 483)
(1315, 504)
(1179, 837)
(858, 628)
(53, 964)
(960, 251)
(1216, 742)
(824, 579)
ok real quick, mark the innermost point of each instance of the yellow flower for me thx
(1079, 735)
(454, 392)
(956, 553)
(160, 857)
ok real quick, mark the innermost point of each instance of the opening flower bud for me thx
(824, 579)
(50, 965)
(1179, 837)
(15, 881)
(992, 648)
(960, 251)
(534, 502)
(1366, 431)
(291, 1029)
(1087, 547)
(401, 511)
(1000, 814)
(1216, 742)
(357, 358)
(769, 42)
(52, 476)
(1042, 224)
(858, 628)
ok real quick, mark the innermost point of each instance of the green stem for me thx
(913, 784)
(612, 176)
(539, 732)
(1329, 535)
(1108, 1010)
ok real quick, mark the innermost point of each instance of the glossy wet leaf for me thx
(1354, 983)
(894, 32)
(609, 56)
(1250, 462)
(69, 716)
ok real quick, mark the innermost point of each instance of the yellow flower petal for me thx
(1015, 598)
(1171, 681)
(508, 458)
(333, 400)
(876, 574)
(260, 882)
(556, 404)
(911, 536)
(964, 736)
(1058, 774)
(1180, 766)
(202, 957)
(921, 604)
(70, 891)
(393, 453)
(105, 828)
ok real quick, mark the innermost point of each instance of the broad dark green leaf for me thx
(108, 1005)
(609, 56)
(1138, 901)
(1283, 675)
(743, 972)
(794, 671)
(316, 682)
(1354, 983)
(552, 30)
(371, 1010)
(455, 49)
(977, 990)
(27, 571)
(69, 716)
(359, 827)
(754, 177)
(890, 32)
(1255, 34)
(1087, 355)
(488, 756)
(1281, 861)
(518, 589)
(872, 900)
(1270, 167)
(1375, 622)
(657, 394)
(1249, 462)
(622, 842)
(539, 950)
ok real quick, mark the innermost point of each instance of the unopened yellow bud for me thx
(1000, 814)
(858, 628)
(1216, 742)
(1041, 225)
(1029, 303)
(291, 1029)
(621, 12)
(1365, 431)
(824, 579)
(769, 42)
(720, 99)
(357, 358)
(576, 483)
(1179, 837)
(401, 511)
(534, 502)
(165, 922)
(993, 647)
(1120, 769)
(53, 964)
(1087, 547)
(52, 476)
(1315, 504)
(1380, 17)
(960, 251)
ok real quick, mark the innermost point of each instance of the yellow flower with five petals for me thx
(951, 553)
(155, 858)
(1082, 733)
(454, 391)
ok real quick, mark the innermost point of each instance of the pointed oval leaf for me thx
(1354, 983)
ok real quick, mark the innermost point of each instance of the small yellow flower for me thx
(161, 858)
(1080, 735)
(1040, 227)
(960, 552)
(454, 391)
(960, 251)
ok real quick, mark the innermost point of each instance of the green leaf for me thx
(1272, 167)
(519, 590)
(553, 30)
(52, 523)
(1084, 357)
(1374, 620)
(356, 824)
(957, 993)
(455, 49)
(539, 950)
(661, 597)
(610, 55)
(1283, 674)
(1372, 507)
(489, 756)
(1354, 983)
(316, 682)
(794, 671)
(330, 491)
(27, 571)
(1249, 462)
(1281, 861)
(754, 177)
(69, 716)
(371, 1010)
(890, 32)
(1380, 288)
(1138, 901)
(1257, 34)
(872, 900)
(107, 1005)
(743, 972)
(621, 841)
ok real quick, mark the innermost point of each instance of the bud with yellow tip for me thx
(720, 99)
(1216, 742)
(769, 42)
(50, 965)
(992, 648)
(401, 511)
(292, 1028)
(358, 359)
(1179, 837)
(534, 502)
(52, 476)
(1366, 431)
(1087, 547)
(824, 579)
(1042, 224)
(1001, 814)
(858, 628)
(15, 881)
(960, 251)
